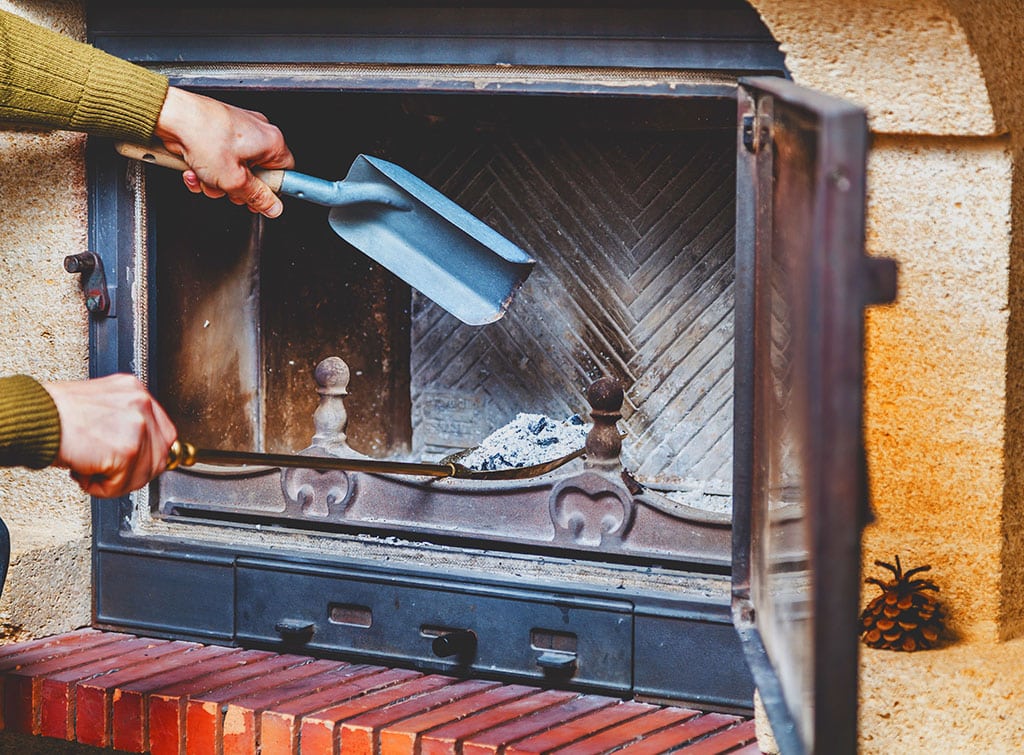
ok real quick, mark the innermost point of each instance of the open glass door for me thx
(800, 481)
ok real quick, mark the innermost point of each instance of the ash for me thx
(527, 440)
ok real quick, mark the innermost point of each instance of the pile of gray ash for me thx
(527, 440)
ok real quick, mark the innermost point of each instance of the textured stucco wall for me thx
(941, 84)
(936, 367)
(995, 30)
(908, 63)
(939, 201)
(44, 334)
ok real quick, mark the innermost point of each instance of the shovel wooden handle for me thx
(155, 155)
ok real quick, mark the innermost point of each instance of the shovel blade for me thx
(433, 244)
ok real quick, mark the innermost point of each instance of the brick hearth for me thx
(136, 694)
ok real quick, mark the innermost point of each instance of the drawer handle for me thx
(461, 643)
(295, 630)
(560, 662)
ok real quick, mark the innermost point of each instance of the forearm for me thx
(47, 79)
(29, 424)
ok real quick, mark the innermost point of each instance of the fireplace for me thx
(606, 143)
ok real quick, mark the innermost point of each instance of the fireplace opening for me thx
(600, 144)
(629, 208)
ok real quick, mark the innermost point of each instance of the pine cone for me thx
(904, 616)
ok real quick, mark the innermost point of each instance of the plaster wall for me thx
(44, 334)
(940, 183)
(943, 413)
(996, 31)
(936, 389)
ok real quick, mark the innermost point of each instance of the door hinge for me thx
(757, 131)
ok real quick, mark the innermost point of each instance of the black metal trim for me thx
(697, 36)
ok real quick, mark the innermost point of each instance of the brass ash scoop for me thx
(184, 454)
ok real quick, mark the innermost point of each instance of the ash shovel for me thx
(408, 227)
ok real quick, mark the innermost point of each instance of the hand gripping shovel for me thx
(408, 227)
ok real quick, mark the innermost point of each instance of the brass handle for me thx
(182, 454)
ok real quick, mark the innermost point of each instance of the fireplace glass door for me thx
(801, 475)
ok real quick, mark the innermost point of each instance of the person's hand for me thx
(221, 144)
(114, 436)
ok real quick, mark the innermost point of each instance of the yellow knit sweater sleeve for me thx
(47, 79)
(29, 424)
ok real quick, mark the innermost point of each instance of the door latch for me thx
(757, 130)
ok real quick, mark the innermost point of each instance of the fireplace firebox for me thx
(709, 264)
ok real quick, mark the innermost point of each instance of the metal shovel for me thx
(408, 227)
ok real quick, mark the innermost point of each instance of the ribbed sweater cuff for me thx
(121, 99)
(51, 80)
(29, 424)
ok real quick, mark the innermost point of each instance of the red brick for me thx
(129, 703)
(77, 637)
(65, 656)
(23, 685)
(56, 690)
(632, 730)
(319, 730)
(677, 736)
(204, 718)
(241, 720)
(105, 684)
(167, 706)
(446, 739)
(53, 652)
(578, 728)
(279, 728)
(751, 749)
(23, 653)
(93, 697)
(492, 741)
(402, 737)
(726, 741)
(254, 726)
(359, 734)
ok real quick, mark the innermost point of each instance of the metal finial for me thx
(603, 441)
(330, 418)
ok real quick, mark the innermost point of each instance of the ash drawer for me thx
(404, 618)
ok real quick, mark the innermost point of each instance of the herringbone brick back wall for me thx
(634, 234)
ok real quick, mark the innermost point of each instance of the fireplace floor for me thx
(134, 694)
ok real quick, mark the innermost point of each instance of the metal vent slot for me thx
(350, 615)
